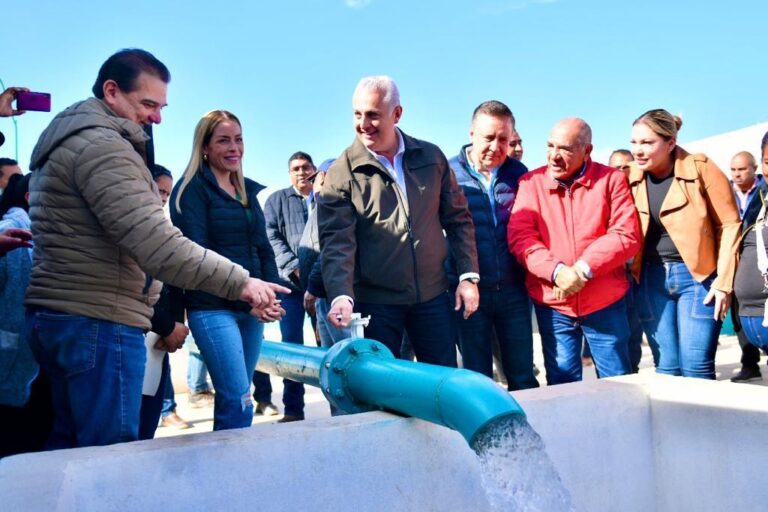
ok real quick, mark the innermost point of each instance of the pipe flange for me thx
(333, 372)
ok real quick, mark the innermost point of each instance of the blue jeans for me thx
(430, 326)
(606, 332)
(291, 331)
(329, 334)
(753, 329)
(676, 321)
(508, 311)
(229, 342)
(96, 369)
(197, 373)
(635, 333)
(635, 329)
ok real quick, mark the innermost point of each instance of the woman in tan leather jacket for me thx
(690, 227)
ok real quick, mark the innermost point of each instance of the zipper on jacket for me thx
(572, 228)
(490, 214)
(399, 195)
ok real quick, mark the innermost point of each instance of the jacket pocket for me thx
(700, 310)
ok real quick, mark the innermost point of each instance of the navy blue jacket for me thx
(498, 267)
(214, 219)
(286, 214)
(755, 203)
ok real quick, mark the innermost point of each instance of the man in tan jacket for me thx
(100, 240)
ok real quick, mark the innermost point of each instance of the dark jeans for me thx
(508, 312)
(430, 327)
(152, 407)
(291, 331)
(750, 354)
(606, 331)
(96, 369)
(25, 429)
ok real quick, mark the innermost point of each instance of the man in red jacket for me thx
(573, 227)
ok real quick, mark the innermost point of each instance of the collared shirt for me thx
(567, 183)
(395, 168)
(743, 198)
(488, 183)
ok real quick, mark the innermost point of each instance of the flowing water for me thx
(517, 473)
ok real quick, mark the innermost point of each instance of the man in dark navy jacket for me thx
(488, 179)
(286, 216)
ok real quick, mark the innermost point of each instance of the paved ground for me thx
(727, 363)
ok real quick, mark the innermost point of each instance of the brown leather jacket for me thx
(700, 215)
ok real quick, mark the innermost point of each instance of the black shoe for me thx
(288, 418)
(266, 409)
(747, 373)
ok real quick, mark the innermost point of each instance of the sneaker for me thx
(747, 373)
(266, 409)
(201, 399)
(288, 418)
(173, 420)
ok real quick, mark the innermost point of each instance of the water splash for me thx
(517, 473)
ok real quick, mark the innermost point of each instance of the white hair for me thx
(383, 85)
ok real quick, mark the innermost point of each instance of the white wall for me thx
(370, 462)
(636, 443)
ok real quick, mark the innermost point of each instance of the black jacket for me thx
(212, 218)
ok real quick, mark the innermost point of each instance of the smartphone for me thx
(36, 101)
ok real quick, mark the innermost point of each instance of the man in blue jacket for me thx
(286, 216)
(488, 178)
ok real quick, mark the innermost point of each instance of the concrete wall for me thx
(636, 443)
(371, 462)
(709, 444)
(652, 442)
(598, 435)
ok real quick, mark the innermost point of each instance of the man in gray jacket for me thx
(100, 239)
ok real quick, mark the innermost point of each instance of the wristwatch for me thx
(473, 280)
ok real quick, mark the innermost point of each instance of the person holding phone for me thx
(690, 235)
(7, 97)
(216, 206)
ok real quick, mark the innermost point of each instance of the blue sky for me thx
(288, 68)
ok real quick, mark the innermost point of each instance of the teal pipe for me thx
(360, 374)
(295, 362)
